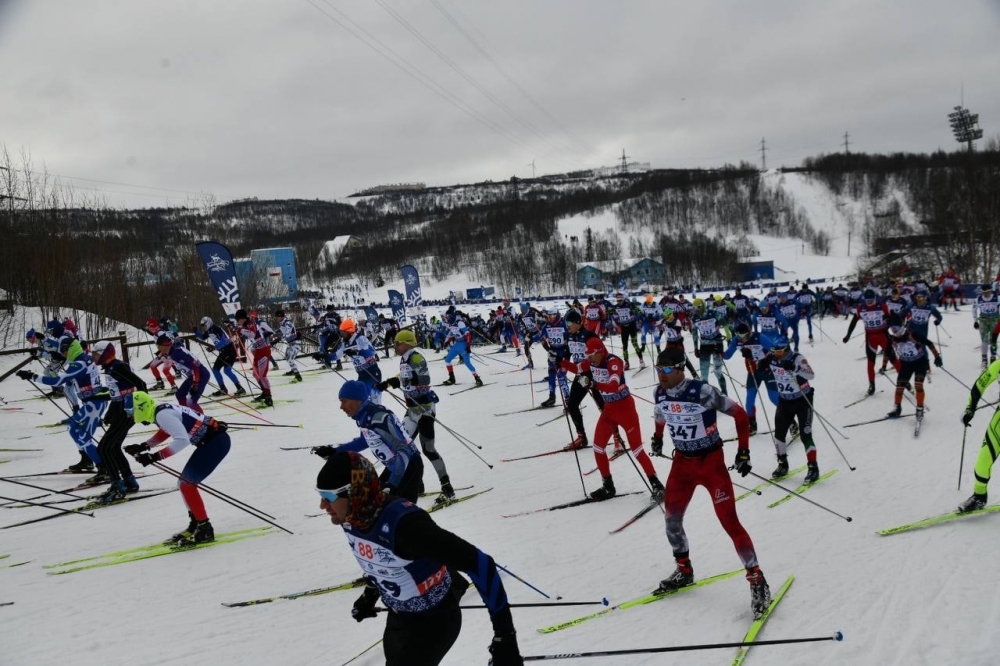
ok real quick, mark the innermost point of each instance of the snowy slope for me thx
(920, 598)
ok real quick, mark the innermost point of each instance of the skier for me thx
(460, 338)
(608, 372)
(920, 313)
(625, 314)
(951, 288)
(791, 377)
(185, 426)
(688, 408)
(876, 318)
(752, 346)
(554, 337)
(789, 310)
(411, 564)
(421, 405)
(288, 334)
(382, 432)
(528, 321)
(911, 349)
(991, 440)
(213, 333)
(257, 333)
(708, 341)
(576, 343)
(806, 300)
(594, 316)
(81, 383)
(153, 328)
(673, 333)
(196, 375)
(122, 383)
(651, 315)
(364, 357)
(985, 315)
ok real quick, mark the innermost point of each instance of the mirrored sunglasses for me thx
(333, 495)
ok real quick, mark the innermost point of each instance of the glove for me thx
(504, 650)
(697, 352)
(846, 338)
(34, 352)
(657, 445)
(764, 363)
(568, 366)
(323, 452)
(146, 458)
(967, 417)
(382, 386)
(364, 607)
(938, 362)
(747, 353)
(584, 381)
(975, 325)
(937, 323)
(26, 375)
(742, 462)
(136, 449)
(392, 381)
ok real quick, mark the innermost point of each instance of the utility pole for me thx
(532, 165)
(847, 144)
(624, 162)
(763, 154)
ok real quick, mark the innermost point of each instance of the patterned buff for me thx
(367, 498)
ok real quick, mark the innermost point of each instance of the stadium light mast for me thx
(964, 126)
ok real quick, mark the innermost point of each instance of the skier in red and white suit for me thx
(876, 318)
(594, 317)
(257, 334)
(608, 372)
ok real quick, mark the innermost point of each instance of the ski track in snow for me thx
(925, 597)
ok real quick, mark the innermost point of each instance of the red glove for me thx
(567, 365)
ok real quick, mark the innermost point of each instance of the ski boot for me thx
(450, 381)
(339, 366)
(266, 400)
(871, 388)
(290, 373)
(172, 391)
(579, 443)
(605, 492)
(298, 377)
(812, 476)
(722, 386)
(85, 464)
(131, 485)
(184, 535)
(657, 488)
(479, 380)
(550, 402)
(503, 349)
(974, 503)
(896, 412)
(920, 413)
(98, 479)
(115, 493)
(782, 468)
(158, 386)
(239, 391)
(683, 576)
(881, 370)
(627, 366)
(447, 493)
(760, 593)
(202, 533)
(753, 425)
(985, 364)
(517, 352)
(219, 393)
(793, 429)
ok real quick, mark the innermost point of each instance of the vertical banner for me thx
(398, 306)
(370, 313)
(221, 269)
(411, 280)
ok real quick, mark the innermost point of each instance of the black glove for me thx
(364, 607)
(135, 449)
(324, 452)
(937, 323)
(34, 352)
(742, 462)
(764, 363)
(967, 417)
(26, 375)
(657, 445)
(697, 352)
(747, 353)
(846, 338)
(145, 458)
(392, 381)
(504, 650)
(938, 362)
(975, 325)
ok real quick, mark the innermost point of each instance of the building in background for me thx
(273, 274)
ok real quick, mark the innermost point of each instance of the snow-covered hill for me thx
(925, 597)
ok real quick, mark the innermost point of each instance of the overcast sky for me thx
(292, 98)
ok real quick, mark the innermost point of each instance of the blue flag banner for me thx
(370, 313)
(398, 305)
(222, 271)
(412, 282)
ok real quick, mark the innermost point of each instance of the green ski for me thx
(357, 582)
(147, 552)
(927, 522)
(758, 624)
(801, 489)
(639, 601)
(760, 487)
(438, 507)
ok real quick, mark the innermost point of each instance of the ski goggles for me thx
(333, 495)
(666, 369)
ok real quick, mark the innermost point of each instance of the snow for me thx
(925, 597)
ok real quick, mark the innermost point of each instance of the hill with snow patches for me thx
(923, 597)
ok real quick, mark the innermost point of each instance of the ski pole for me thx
(576, 452)
(682, 648)
(45, 506)
(218, 494)
(265, 425)
(50, 492)
(602, 602)
(822, 332)
(521, 580)
(733, 382)
(805, 499)
(945, 371)
(822, 422)
(961, 458)
(941, 326)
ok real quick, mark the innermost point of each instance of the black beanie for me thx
(671, 357)
(336, 473)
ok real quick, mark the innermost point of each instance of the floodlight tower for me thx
(964, 126)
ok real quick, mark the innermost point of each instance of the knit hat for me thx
(347, 468)
(594, 345)
(406, 337)
(353, 390)
(671, 357)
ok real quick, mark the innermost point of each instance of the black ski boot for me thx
(219, 393)
(812, 476)
(896, 412)
(184, 535)
(753, 425)
(298, 377)
(657, 487)
(974, 503)
(158, 386)
(760, 593)
(605, 492)
(447, 492)
(290, 373)
(266, 400)
(172, 391)
(99, 479)
(920, 414)
(551, 402)
(871, 388)
(450, 381)
(682, 576)
(85, 464)
(202, 533)
(239, 391)
(131, 485)
(782, 468)
(115, 493)
(479, 380)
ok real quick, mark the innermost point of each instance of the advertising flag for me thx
(398, 305)
(222, 271)
(411, 280)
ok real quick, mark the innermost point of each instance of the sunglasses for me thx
(666, 370)
(333, 495)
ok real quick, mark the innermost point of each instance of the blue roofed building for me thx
(274, 272)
